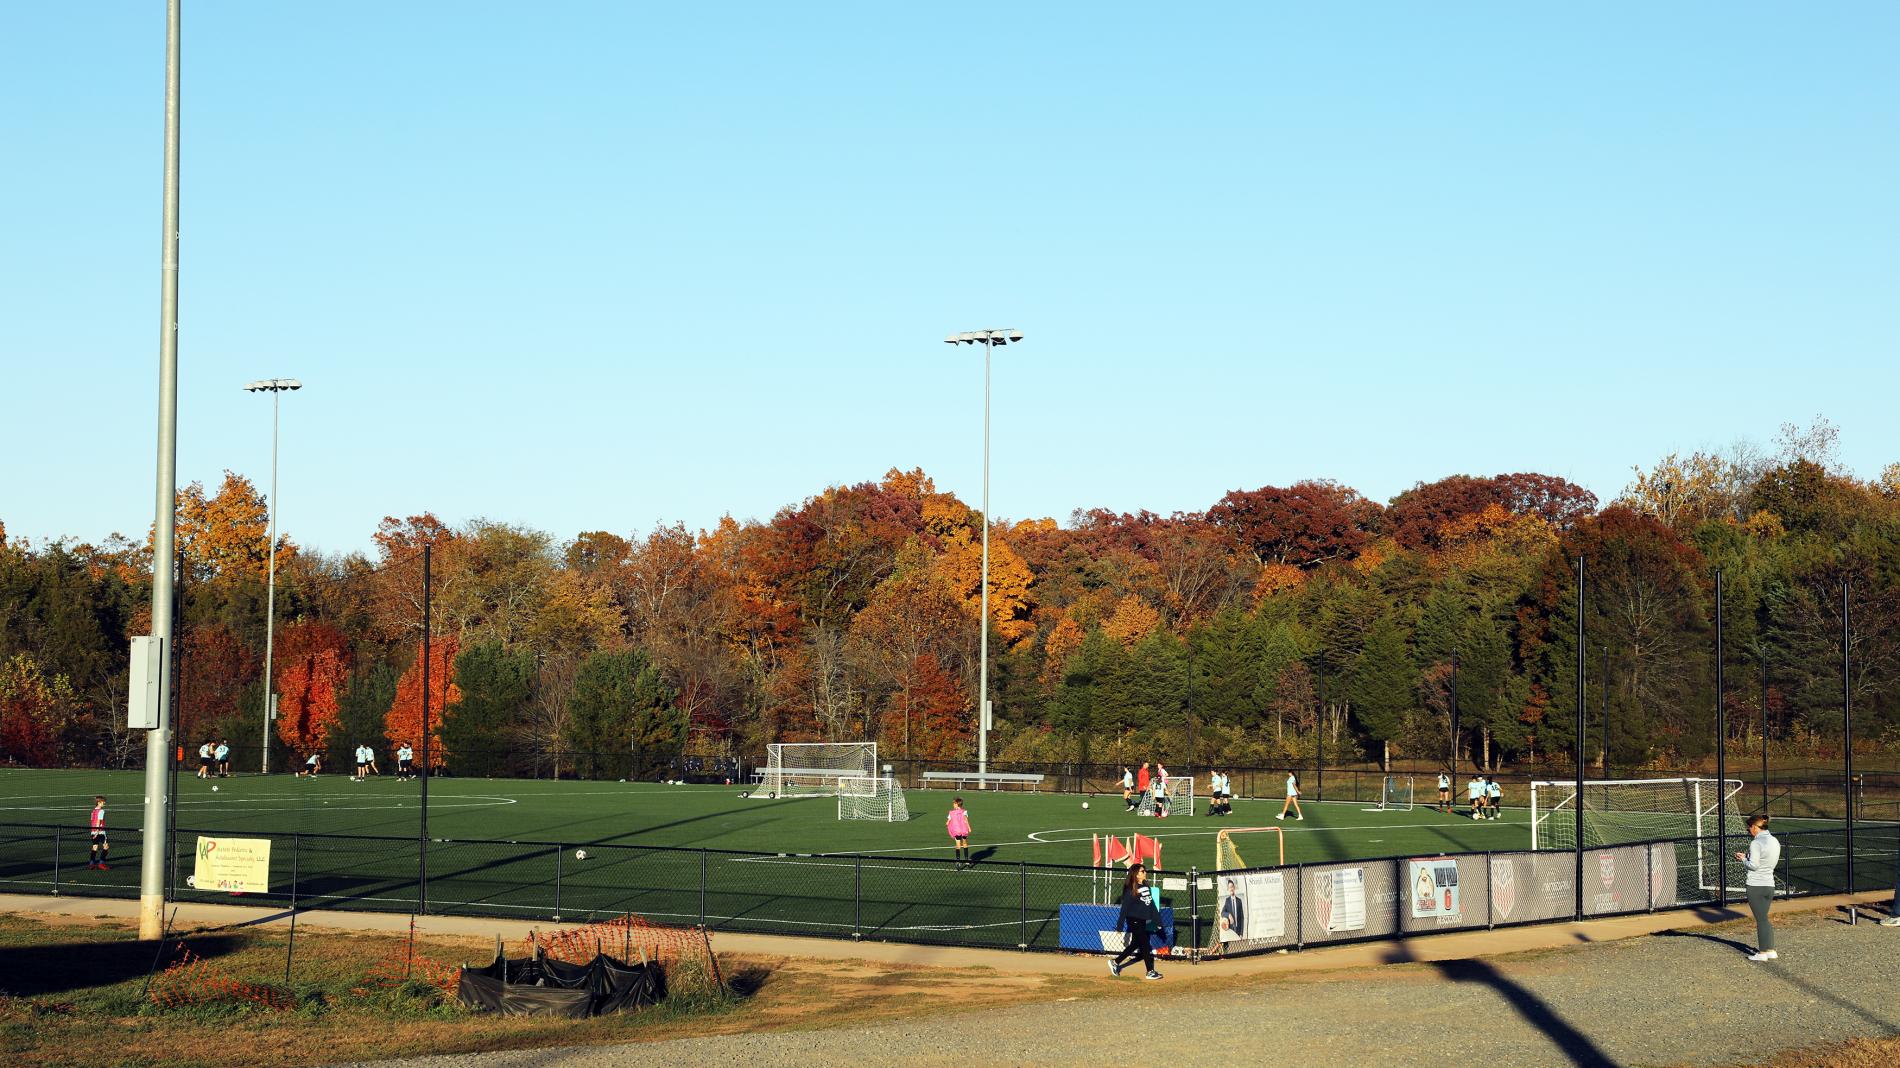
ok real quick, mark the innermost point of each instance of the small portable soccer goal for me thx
(1395, 795)
(1266, 852)
(813, 769)
(1180, 794)
(871, 797)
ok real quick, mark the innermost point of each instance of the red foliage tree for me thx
(403, 723)
(214, 670)
(1417, 516)
(1305, 524)
(936, 709)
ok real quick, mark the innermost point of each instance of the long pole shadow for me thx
(1572, 1043)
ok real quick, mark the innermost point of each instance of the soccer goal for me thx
(1180, 794)
(1619, 811)
(876, 797)
(1395, 795)
(1265, 852)
(813, 769)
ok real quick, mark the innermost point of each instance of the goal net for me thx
(1395, 795)
(871, 798)
(813, 769)
(1266, 851)
(1620, 811)
(1176, 792)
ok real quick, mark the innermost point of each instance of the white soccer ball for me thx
(214, 789)
(1085, 804)
(191, 881)
(580, 854)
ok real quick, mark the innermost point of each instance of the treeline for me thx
(1245, 631)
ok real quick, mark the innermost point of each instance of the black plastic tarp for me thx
(534, 986)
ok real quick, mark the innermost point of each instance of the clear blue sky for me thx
(589, 266)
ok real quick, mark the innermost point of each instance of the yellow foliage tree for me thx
(961, 565)
(1132, 620)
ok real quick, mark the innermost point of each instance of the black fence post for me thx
(1022, 880)
(1299, 906)
(1194, 914)
(857, 897)
(702, 888)
(1490, 913)
(56, 838)
(558, 850)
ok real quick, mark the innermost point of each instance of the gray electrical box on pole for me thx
(145, 697)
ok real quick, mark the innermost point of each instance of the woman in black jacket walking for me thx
(1139, 909)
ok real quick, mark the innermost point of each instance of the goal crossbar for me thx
(1624, 811)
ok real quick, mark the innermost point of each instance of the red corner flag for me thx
(1113, 851)
(1096, 844)
(1147, 849)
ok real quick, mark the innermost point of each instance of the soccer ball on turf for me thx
(191, 881)
(1085, 804)
(214, 789)
(580, 854)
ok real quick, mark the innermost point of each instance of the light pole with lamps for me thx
(989, 339)
(274, 387)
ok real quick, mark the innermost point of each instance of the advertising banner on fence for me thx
(1252, 906)
(240, 865)
(1434, 889)
(1339, 899)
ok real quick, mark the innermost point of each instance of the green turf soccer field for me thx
(680, 854)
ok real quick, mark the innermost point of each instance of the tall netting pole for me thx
(1577, 748)
(1847, 739)
(1721, 759)
(428, 770)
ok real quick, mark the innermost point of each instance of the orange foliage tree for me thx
(403, 723)
(307, 703)
(935, 711)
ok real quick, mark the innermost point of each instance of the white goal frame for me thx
(872, 797)
(813, 769)
(1553, 819)
(1180, 796)
(1396, 795)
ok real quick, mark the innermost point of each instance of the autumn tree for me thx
(35, 707)
(1305, 524)
(404, 721)
(930, 717)
(308, 702)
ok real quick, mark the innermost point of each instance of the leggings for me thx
(1759, 898)
(1137, 947)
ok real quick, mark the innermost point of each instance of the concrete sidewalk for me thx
(1456, 946)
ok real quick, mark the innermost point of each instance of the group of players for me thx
(1482, 794)
(366, 764)
(1150, 793)
(214, 760)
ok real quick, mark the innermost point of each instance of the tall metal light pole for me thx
(164, 530)
(274, 387)
(989, 339)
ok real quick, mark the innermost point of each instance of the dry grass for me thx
(75, 996)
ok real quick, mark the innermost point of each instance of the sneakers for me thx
(1766, 954)
(1300, 819)
(1152, 975)
(1281, 816)
(1891, 921)
(1114, 967)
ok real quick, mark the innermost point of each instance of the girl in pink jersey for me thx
(958, 824)
(98, 828)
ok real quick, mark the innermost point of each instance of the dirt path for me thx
(1676, 998)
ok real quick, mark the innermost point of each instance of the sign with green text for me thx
(239, 865)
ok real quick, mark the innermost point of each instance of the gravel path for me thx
(1679, 998)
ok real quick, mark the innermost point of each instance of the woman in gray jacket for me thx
(1759, 862)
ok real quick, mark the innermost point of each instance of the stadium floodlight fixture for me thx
(273, 385)
(989, 339)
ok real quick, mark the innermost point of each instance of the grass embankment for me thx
(74, 995)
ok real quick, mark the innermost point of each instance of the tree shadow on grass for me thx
(55, 968)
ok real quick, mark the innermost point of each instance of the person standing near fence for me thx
(1137, 912)
(1764, 852)
(1444, 791)
(1143, 780)
(405, 763)
(223, 756)
(96, 826)
(1493, 797)
(1128, 789)
(958, 824)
